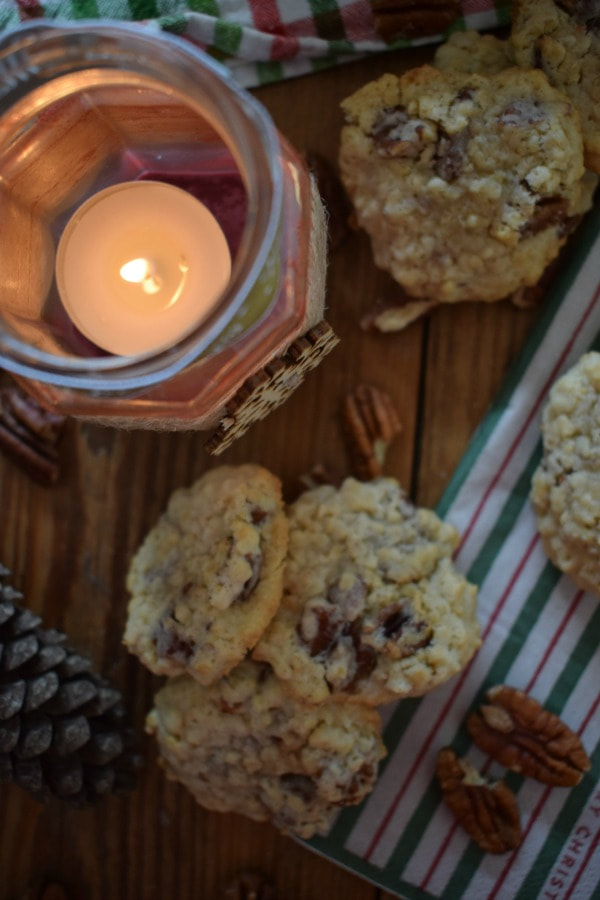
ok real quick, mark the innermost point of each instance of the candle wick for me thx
(143, 272)
(151, 285)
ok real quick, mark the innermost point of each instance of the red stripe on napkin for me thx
(563, 624)
(459, 683)
(533, 412)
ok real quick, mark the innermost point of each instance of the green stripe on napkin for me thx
(540, 634)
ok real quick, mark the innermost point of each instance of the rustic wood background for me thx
(69, 547)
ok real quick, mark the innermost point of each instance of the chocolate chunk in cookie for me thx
(373, 608)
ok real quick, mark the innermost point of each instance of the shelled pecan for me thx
(249, 886)
(412, 18)
(370, 423)
(395, 316)
(488, 811)
(29, 434)
(516, 731)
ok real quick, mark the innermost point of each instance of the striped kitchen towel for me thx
(259, 40)
(540, 633)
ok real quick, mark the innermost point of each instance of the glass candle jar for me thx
(88, 106)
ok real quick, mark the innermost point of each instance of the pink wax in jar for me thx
(223, 193)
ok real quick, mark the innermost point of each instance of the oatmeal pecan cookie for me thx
(245, 745)
(207, 580)
(566, 487)
(373, 608)
(466, 184)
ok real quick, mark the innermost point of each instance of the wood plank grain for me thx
(69, 549)
(469, 347)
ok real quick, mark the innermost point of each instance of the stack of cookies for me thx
(283, 628)
(469, 175)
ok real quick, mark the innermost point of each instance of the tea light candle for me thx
(140, 265)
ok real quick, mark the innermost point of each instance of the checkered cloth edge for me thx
(259, 40)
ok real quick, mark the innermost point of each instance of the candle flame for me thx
(135, 270)
(141, 271)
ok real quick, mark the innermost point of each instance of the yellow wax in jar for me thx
(140, 265)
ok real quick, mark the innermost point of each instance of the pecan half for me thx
(413, 18)
(450, 155)
(396, 134)
(325, 631)
(548, 211)
(518, 732)
(370, 423)
(249, 886)
(396, 315)
(488, 811)
(29, 434)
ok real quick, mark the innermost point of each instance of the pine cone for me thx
(62, 729)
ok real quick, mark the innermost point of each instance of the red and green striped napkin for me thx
(259, 40)
(540, 633)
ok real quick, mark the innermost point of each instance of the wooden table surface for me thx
(69, 547)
